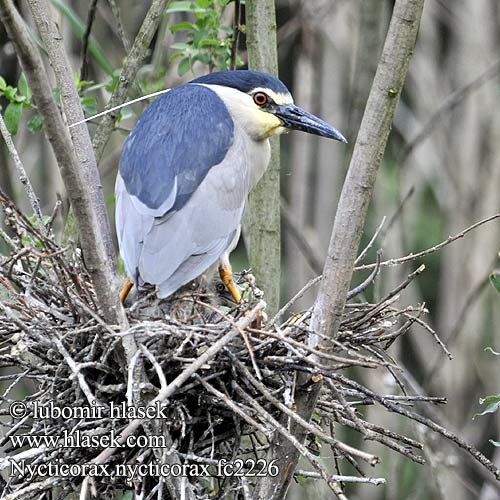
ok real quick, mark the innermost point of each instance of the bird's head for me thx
(263, 105)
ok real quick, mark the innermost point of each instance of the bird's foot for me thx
(125, 290)
(226, 275)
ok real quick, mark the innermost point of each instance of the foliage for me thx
(20, 98)
(209, 41)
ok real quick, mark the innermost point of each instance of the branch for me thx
(133, 62)
(435, 248)
(35, 203)
(448, 105)
(261, 224)
(172, 388)
(79, 173)
(350, 217)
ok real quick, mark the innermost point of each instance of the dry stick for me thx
(362, 255)
(448, 105)
(133, 62)
(422, 420)
(423, 253)
(351, 215)
(74, 367)
(189, 371)
(232, 405)
(333, 484)
(367, 457)
(352, 293)
(242, 333)
(316, 352)
(383, 303)
(35, 204)
(89, 217)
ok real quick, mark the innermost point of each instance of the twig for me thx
(423, 253)
(454, 99)
(84, 386)
(119, 24)
(236, 33)
(133, 63)
(23, 177)
(231, 404)
(85, 40)
(83, 188)
(298, 234)
(333, 484)
(183, 377)
(362, 255)
(343, 479)
(422, 420)
(367, 457)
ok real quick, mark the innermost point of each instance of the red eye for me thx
(260, 99)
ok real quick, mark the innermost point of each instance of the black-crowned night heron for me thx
(186, 170)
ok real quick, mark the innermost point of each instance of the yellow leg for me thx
(126, 289)
(226, 275)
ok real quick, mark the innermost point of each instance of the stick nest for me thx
(55, 347)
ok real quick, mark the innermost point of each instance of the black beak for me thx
(296, 118)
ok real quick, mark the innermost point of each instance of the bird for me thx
(186, 170)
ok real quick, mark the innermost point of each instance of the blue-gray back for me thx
(176, 141)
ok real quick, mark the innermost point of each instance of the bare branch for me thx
(79, 174)
(23, 177)
(133, 63)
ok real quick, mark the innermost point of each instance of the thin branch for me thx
(171, 388)
(351, 214)
(298, 234)
(450, 103)
(23, 177)
(79, 174)
(133, 62)
(435, 248)
(119, 24)
(85, 40)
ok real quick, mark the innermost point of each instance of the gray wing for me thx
(181, 246)
(173, 237)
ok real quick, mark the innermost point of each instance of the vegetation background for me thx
(440, 174)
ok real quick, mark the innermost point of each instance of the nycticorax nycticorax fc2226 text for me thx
(186, 170)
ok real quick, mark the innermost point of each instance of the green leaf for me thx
(183, 26)
(180, 7)
(489, 349)
(180, 46)
(22, 85)
(35, 124)
(89, 105)
(203, 4)
(10, 93)
(3, 84)
(12, 117)
(495, 280)
(209, 42)
(125, 113)
(300, 479)
(184, 66)
(493, 403)
(175, 56)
